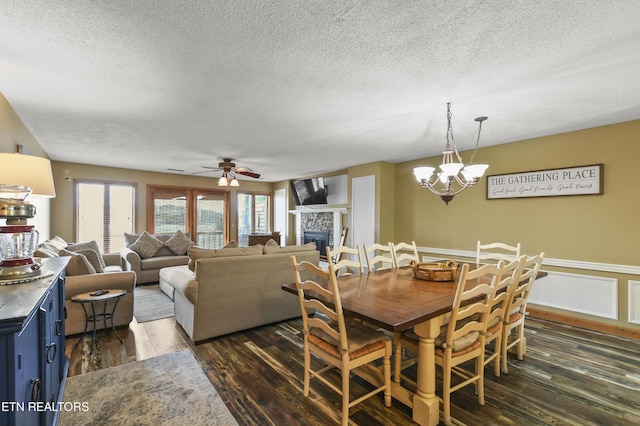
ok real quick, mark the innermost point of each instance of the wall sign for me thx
(582, 180)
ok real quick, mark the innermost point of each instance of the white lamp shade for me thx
(234, 182)
(423, 173)
(27, 170)
(451, 169)
(474, 171)
(223, 181)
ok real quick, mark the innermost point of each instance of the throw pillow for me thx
(78, 264)
(231, 244)
(94, 258)
(57, 242)
(196, 253)
(179, 243)
(147, 245)
(43, 251)
(91, 245)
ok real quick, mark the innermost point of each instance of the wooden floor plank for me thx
(569, 376)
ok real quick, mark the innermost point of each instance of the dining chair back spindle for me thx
(379, 257)
(350, 259)
(328, 336)
(509, 277)
(497, 251)
(403, 253)
(516, 310)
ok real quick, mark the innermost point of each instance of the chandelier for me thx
(454, 176)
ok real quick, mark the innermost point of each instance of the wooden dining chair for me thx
(403, 253)
(498, 251)
(379, 257)
(516, 310)
(340, 344)
(462, 339)
(509, 277)
(350, 259)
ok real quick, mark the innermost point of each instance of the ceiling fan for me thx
(229, 172)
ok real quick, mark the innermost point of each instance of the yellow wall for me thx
(62, 205)
(595, 228)
(589, 228)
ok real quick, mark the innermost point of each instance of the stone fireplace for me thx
(317, 222)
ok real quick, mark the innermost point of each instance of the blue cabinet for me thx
(32, 352)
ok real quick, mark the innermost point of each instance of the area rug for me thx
(170, 389)
(150, 303)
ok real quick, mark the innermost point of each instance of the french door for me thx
(202, 212)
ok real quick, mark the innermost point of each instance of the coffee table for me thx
(95, 298)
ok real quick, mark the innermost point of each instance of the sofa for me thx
(89, 270)
(232, 289)
(146, 254)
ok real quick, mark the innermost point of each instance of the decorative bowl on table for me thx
(445, 270)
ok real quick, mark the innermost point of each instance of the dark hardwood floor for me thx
(570, 376)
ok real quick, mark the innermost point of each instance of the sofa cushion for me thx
(130, 239)
(94, 259)
(78, 264)
(90, 245)
(196, 253)
(179, 243)
(159, 262)
(147, 245)
(288, 249)
(231, 244)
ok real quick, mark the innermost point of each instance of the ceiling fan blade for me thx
(210, 167)
(204, 171)
(248, 173)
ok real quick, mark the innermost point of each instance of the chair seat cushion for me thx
(362, 340)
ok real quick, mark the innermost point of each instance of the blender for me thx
(17, 239)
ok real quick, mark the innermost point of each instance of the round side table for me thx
(94, 298)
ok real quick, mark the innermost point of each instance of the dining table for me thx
(396, 301)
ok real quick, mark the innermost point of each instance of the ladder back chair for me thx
(340, 344)
(510, 275)
(498, 251)
(379, 257)
(349, 258)
(400, 257)
(516, 310)
(462, 339)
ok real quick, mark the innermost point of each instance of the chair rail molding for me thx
(563, 263)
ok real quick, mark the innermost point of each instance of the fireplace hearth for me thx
(321, 238)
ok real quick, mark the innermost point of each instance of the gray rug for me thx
(170, 389)
(150, 303)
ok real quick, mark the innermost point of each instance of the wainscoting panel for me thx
(578, 293)
(634, 302)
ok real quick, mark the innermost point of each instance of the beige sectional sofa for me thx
(234, 289)
(89, 270)
(140, 257)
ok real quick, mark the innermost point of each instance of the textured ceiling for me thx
(295, 88)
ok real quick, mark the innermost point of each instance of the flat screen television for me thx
(309, 191)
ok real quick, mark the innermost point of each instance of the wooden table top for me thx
(393, 299)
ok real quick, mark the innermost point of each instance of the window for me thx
(254, 215)
(103, 212)
(201, 212)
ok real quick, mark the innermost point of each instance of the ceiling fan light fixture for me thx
(234, 182)
(223, 181)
